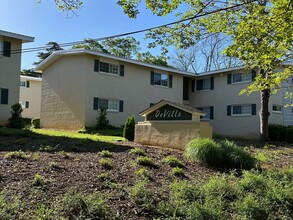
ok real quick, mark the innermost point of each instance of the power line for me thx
(198, 15)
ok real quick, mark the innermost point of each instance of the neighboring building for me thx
(10, 61)
(30, 96)
(76, 83)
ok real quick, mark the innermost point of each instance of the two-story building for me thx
(10, 61)
(30, 96)
(76, 83)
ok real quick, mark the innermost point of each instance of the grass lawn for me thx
(95, 175)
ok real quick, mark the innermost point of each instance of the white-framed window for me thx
(24, 104)
(242, 109)
(109, 68)
(109, 104)
(277, 108)
(161, 79)
(209, 112)
(203, 84)
(22, 84)
(241, 77)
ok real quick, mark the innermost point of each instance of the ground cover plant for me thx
(71, 183)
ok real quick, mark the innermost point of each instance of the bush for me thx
(146, 161)
(17, 155)
(16, 120)
(102, 121)
(177, 171)
(226, 154)
(106, 163)
(172, 161)
(204, 150)
(129, 128)
(106, 153)
(38, 180)
(137, 151)
(35, 122)
(281, 133)
(79, 206)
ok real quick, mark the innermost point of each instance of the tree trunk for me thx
(264, 115)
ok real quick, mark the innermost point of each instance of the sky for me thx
(97, 18)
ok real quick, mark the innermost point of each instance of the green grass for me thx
(106, 153)
(17, 155)
(71, 134)
(137, 151)
(263, 157)
(177, 171)
(172, 161)
(106, 163)
(146, 161)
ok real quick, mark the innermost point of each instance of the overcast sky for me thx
(97, 18)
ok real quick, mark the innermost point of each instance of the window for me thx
(22, 84)
(110, 68)
(6, 49)
(238, 110)
(4, 96)
(161, 79)
(209, 111)
(205, 84)
(25, 104)
(109, 104)
(241, 77)
(277, 108)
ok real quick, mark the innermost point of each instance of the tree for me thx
(121, 47)
(147, 57)
(30, 72)
(15, 120)
(43, 55)
(261, 33)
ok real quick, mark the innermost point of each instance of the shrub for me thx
(17, 155)
(236, 157)
(281, 133)
(172, 161)
(106, 163)
(102, 121)
(7, 209)
(106, 153)
(80, 206)
(129, 128)
(177, 171)
(38, 180)
(142, 173)
(146, 161)
(204, 150)
(35, 123)
(137, 151)
(15, 120)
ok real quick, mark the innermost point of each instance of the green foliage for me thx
(204, 150)
(43, 212)
(142, 173)
(38, 180)
(281, 133)
(146, 161)
(142, 196)
(226, 154)
(177, 171)
(7, 208)
(106, 163)
(15, 120)
(36, 123)
(102, 121)
(106, 153)
(172, 161)
(47, 148)
(17, 155)
(137, 151)
(129, 128)
(80, 206)
(147, 57)
(52, 47)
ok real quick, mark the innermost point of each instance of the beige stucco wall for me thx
(134, 89)
(9, 77)
(32, 95)
(228, 94)
(63, 94)
(170, 134)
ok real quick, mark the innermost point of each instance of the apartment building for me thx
(76, 83)
(30, 96)
(10, 61)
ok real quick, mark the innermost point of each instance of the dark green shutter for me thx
(121, 106)
(6, 49)
(27, 84)
(193, 85)
(152, 104)
(152, 77)
(170, 81)
(211, 112)
(253, 75)
(229, 110)
(212, 83)
(253, 109)
(229, 78)
(97, 66)
(199, 84)
(4, 96)
(121, 70)
(27, 104)
(96, 103)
